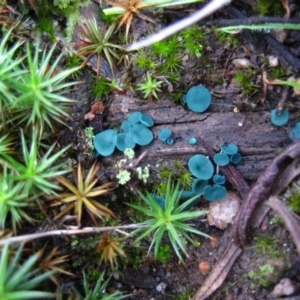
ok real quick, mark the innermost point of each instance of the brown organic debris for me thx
(109, 250)
(97, 108)
(290, 221)
(131, 8)
(261, 190)
(204, 267)
(89, 116)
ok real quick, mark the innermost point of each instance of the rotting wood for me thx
(258, 139)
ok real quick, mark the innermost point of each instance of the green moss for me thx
(294, 198)
(264, 244)
(171, 65)
(261, 276)
(244, 79)
(164, 253)
(167, 48)
(185, 293)
(267, 7)
(73, 61)
(277, 73)
(192, 40)
(48, 10)
(144, 61)
(226, 37)
(101, 87)
(46, 25)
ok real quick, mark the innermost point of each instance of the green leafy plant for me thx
(6, 143)
(17, 280)
(95, 41)
(170, 221)
(98, 291)
(9, 70)
(150, 87)
(39, 92)
(82, 194)
(13, 200)
(266, 27)
(35, 172)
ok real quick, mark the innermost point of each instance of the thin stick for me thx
(184, 23)
(34, 236)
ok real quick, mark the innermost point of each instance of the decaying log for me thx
(258, 139)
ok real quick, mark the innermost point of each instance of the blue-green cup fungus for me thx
(219, 179)
(280, 120)
(164, 134)
(104, 142)
(170, 141)
(229, 148)
(214, 192)
(221, 159)
(134, 117)
(236, 158)
(140, 134)
(146, 120)
(198, 186)
(186, 195)
(193, 141)
(124, 140)
(125, 126)
(201, 167)
(198, 98)
(295, 132)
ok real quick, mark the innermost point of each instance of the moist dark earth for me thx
(140, 274)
